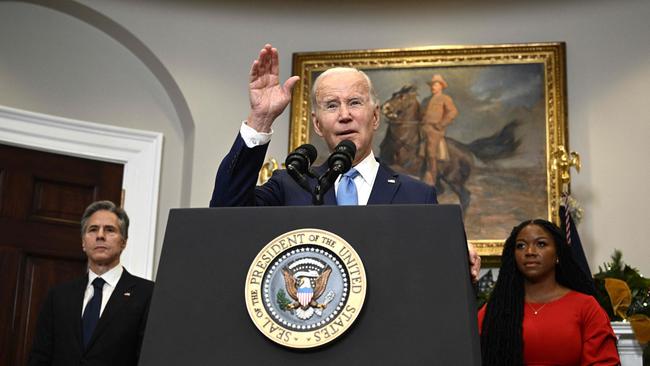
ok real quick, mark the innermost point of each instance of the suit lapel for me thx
(77, 308)
(330, 197)
(385, 186)
(383, 189)
(117, 300)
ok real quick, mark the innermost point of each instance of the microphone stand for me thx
(302, 181)
(298, 177)
(325, 183)
(340, 161)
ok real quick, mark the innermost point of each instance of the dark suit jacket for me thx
(235, 184)
(117, 337)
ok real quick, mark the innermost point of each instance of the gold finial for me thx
(562, 162)
(267, 171)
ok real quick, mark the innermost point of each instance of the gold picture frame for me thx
(522, 86)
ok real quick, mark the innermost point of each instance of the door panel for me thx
(42, 198)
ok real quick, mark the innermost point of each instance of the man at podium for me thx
(344, 108)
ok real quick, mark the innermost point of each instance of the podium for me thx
(419, 307)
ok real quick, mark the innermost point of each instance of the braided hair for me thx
(502, 333)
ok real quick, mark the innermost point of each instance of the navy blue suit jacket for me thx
(117, 337)
(235, 184)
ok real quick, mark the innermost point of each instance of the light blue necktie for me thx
(347, 192)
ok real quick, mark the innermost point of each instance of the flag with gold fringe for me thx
(572, 236)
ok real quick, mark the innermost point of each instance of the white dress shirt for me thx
(367, 168)
(111, 277)
(253, 138)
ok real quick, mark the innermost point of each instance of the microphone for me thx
(339, 162)
(301, 158)
(298, 163)
(341, 159)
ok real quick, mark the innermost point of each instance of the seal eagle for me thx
(301, 291)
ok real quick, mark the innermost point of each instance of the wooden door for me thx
(42, 198)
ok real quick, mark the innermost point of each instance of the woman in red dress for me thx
(542, 310)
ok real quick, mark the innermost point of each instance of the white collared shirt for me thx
(367, 168)
(111, 277)
(252, 137)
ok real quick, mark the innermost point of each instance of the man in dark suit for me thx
(344, 108)
(98, 319)
(238, 173)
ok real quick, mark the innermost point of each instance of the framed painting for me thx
(503, 118)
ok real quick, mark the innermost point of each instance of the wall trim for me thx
(151, 61)
(140, 151)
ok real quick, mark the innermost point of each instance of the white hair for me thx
(342, 70)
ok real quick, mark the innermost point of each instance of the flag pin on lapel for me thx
(391, 181)
(127, 294)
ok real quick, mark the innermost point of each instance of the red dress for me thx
(572, 330)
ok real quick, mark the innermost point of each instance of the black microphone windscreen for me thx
(348, 146)
(309, 150)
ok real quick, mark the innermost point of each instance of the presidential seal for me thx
(305, 288)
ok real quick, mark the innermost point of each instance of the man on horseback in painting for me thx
(438, 113)
(344, 107)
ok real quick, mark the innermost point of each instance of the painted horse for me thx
(403, 145)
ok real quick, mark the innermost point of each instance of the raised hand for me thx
(267, 97)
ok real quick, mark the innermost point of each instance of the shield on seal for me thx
(304, 295)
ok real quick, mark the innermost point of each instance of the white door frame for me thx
(140, 152)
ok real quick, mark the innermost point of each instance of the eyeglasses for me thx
(334, 106)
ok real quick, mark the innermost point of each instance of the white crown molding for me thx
(140, 152)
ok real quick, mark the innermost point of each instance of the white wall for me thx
(208, 48)
(55, 64)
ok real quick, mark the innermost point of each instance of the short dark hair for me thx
(109, 206)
